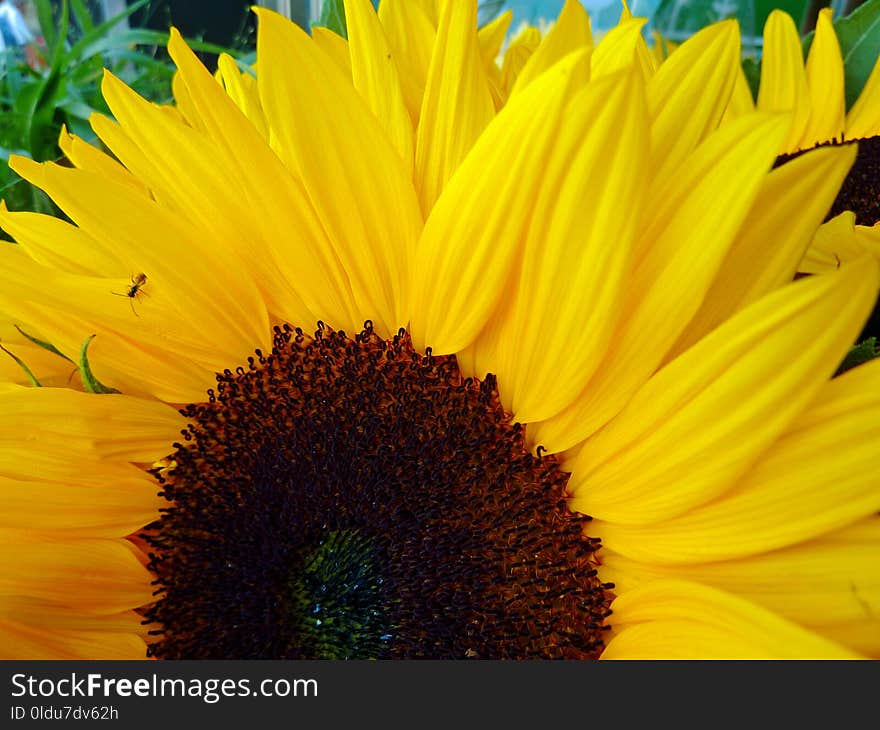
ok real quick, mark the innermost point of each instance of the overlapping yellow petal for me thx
(571, 32)
(783, 79)
(829, 580)
(793, 493)
(374, 75)
(840, 241)
(674, 619)
(457, 104)
(824, 71)
(689, 93)
(351, 172)
(676, 262)
(242, 89)
(792, 203)
(23, 641)
(469, 249)
(571, 277)
(411, 35)
(619, 48)
(863, 119)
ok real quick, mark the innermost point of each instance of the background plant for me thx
(57, 83)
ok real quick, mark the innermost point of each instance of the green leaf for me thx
(100, 30)
(81, 15)
(41, 343)
(333, 17)
(860, 354)
(859, 35)
(27, 370)
(46, 21)
(89, 381)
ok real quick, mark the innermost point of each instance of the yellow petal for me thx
(702, 422)
(242, 89)
(783, 79)
(565, 305)
(143, 430)
(741, 101)
(518, 52)
(302, 276)
(827, 580)
(411, 34)
(53, 242)
(457, 104)
(816, 479)
(618, 48)
(793, 201)
(92, 574)
(571, 32)
(491, 37)
(352, 174)
(824, 71)
(862, 636)
(689, 93)
(334, 46)
(689, 230)
(680, 620)
(468, 249)
(96, 511)
(21, 641)
(840, 241)
(374, 74)
(863, 119)
(86, 157)
(194, 297)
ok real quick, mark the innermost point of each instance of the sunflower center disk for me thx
(351, 498)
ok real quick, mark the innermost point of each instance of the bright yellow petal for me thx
(53, 242)
(824, 71)
(106, 575)
(491, 37)
(840, 241)
(783, 79)
(302, 277)
(517, 55)
(704, 420)
(827, 580)
(242, 89)
(571, 280)
(334, 46)
(863, 119)
(680, 620)
(353, 176)
(22, 641)
(86, 157)
(468, 249)
(411, 34)
(792, 203)
(817, 478)
(571, 32)
(374, 74)
(690, 227)
(457, 104)
(689, 93)
(741, 101)
(618, 48)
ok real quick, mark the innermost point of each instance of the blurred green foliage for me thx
(57, 81)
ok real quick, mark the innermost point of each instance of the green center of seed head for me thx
(339, 602)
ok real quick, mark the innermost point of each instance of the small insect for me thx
(137, 283)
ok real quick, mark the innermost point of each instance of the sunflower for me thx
(382, 363)
(814, 91)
